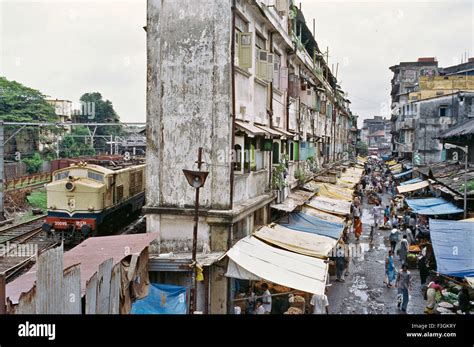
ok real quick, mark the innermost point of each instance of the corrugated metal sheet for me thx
(27, 303)
(103, 286)
(181, 261)
(114, 296)
(465, 128)
(49, 282)
(91, 294)
(72, 290)
(89, 254)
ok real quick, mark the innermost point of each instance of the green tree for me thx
(100, 111)
(33, 164)
(362, 148)
(19, 103)
(74, 144)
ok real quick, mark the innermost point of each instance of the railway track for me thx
(19, 245)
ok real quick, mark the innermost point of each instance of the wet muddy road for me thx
(363, 291)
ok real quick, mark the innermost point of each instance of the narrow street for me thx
(363, 291)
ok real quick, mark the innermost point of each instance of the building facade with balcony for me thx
(246, 81)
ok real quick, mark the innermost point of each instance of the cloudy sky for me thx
(65, 48)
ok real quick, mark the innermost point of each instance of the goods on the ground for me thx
(446, 304)
(294, 310)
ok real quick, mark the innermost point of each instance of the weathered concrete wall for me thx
(188, 99)
(176, 233)
(430, 124)
(218, 289)
(251, 185)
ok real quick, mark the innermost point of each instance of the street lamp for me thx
(465, 150)
(196, 179)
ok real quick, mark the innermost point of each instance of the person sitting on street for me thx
(433, 288)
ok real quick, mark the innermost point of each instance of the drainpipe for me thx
(270, 115)
(289, 54)
(232, 67)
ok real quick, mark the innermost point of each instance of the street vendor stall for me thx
(413, 187)
(337, 207)
(252, 259)
(307, 223)
(453, 236)
(310, 244)
(432, 206)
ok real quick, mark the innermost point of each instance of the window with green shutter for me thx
(296, 151)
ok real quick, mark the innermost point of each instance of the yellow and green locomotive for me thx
(85, 199)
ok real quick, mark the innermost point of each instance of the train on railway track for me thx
(87, 200)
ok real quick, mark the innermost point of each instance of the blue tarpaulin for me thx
(401, 174)
(162, 299)
(304, 222)
(432, 206)
(453, 246)
(414, 180)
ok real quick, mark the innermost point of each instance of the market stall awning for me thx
(413, 180)
(334, 192)
(250, 129)
(392, 163)
(296, 198)
(296, 241)
(252, 259)
(307, 223)
(412, 187)
(453, 246)
(401, 174)
(272, 132)
(322, 215)
(334, 206)
(432, 206)
(311, 186)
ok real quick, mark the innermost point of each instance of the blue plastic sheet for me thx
(453, 246)
(162, 299)
(401, 174)
(304, 222)
(432, 206)
(414, 180)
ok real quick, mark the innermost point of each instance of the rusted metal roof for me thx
(181, 261)
(89, 254)
(466, 128)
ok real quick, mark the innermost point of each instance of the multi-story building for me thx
(439, 99)
(372, 125)
(246, 81)
(405, 80)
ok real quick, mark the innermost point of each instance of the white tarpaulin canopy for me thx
(412, 187)
(333, 206)
(322, 215)
(252, 259)
(297, 241)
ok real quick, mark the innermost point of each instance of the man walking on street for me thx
(404, 286)
(403, 251)
(376, 211)
(340, 263)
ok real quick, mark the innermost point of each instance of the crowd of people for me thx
(405, 231)
(377, 188)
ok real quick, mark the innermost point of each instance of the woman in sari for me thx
(390, 269)
(357, 214)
